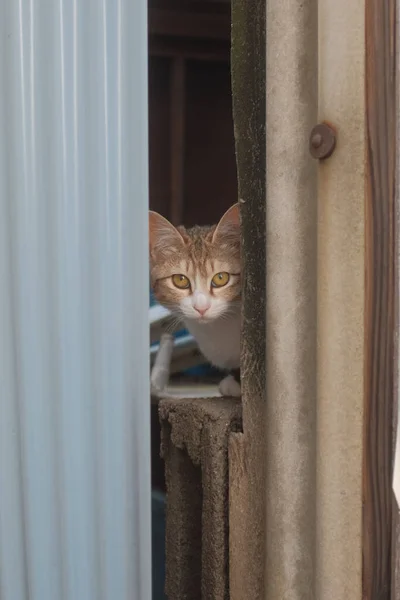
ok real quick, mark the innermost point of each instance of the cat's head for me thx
(196, 272)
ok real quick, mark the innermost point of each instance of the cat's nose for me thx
(200, 302)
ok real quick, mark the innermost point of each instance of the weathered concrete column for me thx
(291, 242)
(195, 434)
(341, 239)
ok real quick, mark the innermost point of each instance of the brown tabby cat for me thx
(196, 274)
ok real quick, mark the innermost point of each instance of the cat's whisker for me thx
(174, 324)
(228, 313)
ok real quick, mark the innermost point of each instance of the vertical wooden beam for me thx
(395, 566)
(396, 375)
(380, 30)
(177, 151)
(247, 451)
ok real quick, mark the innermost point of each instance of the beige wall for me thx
(291, 299)
(315, 275)
(340, 302)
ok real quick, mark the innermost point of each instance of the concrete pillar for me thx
(195, 434)
(341, 56)
(291, 299)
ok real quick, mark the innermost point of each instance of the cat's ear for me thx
(162, 234)
(229, 224)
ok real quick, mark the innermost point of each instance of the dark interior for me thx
(191, 155)
(192, 158)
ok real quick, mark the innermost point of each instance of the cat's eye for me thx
(181, 282)
(220, 279)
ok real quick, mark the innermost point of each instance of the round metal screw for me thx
(322, 141)
(316, 140)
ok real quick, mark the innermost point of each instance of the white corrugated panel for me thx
(74, 373)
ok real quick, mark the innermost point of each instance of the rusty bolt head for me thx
(316, 140)
(322, 141)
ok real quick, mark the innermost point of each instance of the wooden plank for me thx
(238, 506)
(379, 297)
(396, 390)
(177, 138)
(189, 24)
(247, 567)
(395, 567)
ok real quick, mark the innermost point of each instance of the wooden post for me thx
(247, 449)
(379, 296)
(396, 375)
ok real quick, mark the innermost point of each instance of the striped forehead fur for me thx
(194, 249)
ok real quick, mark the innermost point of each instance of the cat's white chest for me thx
(219, 341)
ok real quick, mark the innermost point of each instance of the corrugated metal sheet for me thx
(74, 374)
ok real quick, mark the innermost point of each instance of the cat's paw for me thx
(230, 387)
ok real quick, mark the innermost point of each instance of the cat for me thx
(196, 273)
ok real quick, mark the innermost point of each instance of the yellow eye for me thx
(181, 282)
(220, 279)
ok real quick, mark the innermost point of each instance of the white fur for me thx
(200, 301)
(230, 387)
(218, 339)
